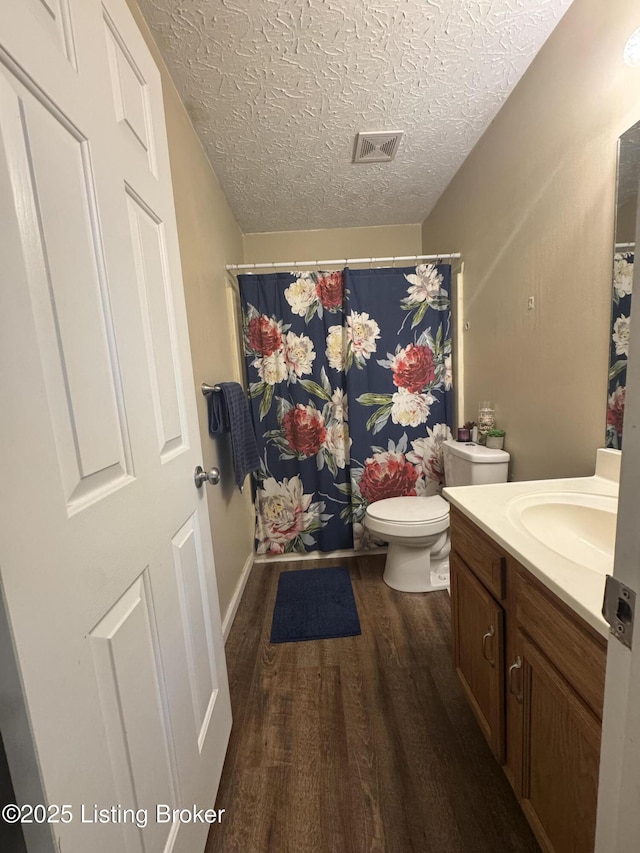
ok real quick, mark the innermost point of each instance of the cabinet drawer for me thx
(563, 637)
(482, 556)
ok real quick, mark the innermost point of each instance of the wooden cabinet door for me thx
(560, 756)
(478, 649)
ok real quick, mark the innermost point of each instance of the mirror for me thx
(623, 258)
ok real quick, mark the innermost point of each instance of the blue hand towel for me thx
(229, 412)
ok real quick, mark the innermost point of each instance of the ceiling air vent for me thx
(377, 147)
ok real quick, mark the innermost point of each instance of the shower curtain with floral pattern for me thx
(350, 385)
(619, 346)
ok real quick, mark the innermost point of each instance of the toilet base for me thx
(411, 569)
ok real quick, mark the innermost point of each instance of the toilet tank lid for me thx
(475, 452)
(409, 509)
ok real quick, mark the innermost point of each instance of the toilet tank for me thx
(468, 464)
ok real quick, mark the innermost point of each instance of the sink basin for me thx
(580, 527)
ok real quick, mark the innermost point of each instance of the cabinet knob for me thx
(485, 641)
(517, 664)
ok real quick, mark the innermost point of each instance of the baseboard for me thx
(232, 609)
(317, 555)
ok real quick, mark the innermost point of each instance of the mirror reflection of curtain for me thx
(623, 258)
(619, 346)
(350, 383)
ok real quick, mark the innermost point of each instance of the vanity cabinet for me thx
(536, 685)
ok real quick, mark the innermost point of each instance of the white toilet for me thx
(417, 528)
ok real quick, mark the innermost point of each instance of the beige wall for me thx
(332, 243)
(532, 211)
(209, 238)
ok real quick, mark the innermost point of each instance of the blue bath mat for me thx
(314, 604)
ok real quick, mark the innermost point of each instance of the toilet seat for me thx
(408, 516)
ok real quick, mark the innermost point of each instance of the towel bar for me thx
(209, 389)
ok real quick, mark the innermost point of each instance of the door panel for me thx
(130, 682)
(147, 237)
(54, 17)
(87, 411)
(193, 597)
(130, 96)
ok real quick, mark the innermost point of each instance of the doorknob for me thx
(201, 476)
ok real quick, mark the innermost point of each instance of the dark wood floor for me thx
(357, 744)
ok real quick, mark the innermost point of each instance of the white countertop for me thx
(581, 588)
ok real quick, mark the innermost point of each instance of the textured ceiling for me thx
(277, 90)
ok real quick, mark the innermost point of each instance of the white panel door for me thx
(105, 549)
(618, 824)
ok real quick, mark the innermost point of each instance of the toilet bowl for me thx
(417, 528)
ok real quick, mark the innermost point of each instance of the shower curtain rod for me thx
(343, 262)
